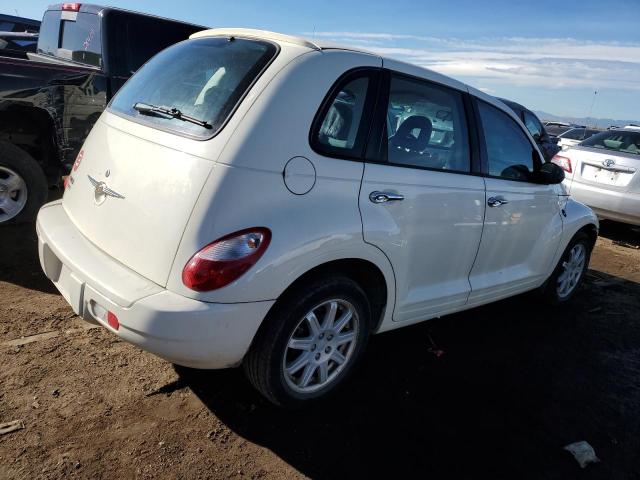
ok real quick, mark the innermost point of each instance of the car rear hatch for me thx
(140, 172)
(132, 198)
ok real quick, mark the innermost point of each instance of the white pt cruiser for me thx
(253, 198)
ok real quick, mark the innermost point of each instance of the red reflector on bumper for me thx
(112, 320)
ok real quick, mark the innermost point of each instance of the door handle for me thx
(497, 201)
(384, 197)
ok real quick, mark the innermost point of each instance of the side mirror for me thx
(550, 174)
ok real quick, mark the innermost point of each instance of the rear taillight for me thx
(225, 260)
(72, 7)
(563, 162)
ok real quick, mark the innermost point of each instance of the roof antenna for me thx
(314, 32)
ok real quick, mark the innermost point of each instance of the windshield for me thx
(616, 140)
(203, 78)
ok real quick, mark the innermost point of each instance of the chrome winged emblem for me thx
(101, 191)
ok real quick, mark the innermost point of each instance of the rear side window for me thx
(203, 78)
(341, 126)
(426, 126)
(615, 140)
(510, 154)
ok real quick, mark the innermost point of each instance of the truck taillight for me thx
(225, 260)
(563, 162)
(71, 7)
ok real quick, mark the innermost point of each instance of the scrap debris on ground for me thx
(517, 383)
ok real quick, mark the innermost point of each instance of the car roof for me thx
(323, 46)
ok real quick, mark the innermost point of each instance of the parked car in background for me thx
(254, 198)
(17, 44)
(50, 100)
(604, 172)
(574, 136)
(9, 23)
(556, 128)
(18, 36)
(546, 144)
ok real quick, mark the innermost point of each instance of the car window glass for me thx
(533, 125)
(203, 78)
(509, 151)
(615, 140)
(49, 33)
(426, 126)
(80, 39)
(340, 131)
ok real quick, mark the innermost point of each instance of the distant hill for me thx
(590, 122)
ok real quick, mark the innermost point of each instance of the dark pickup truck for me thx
(50, 99)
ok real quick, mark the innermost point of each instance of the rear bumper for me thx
(179, 329)
(608, 204)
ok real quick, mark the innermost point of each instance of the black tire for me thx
(550, 289)
(264, 365)
(23, 164)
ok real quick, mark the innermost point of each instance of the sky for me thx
(548, 55)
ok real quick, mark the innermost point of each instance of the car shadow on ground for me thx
(517, 382)
(19, 263)
(621, 234)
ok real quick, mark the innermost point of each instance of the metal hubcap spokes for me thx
(573, 267)
(320, 346)
(13, 194)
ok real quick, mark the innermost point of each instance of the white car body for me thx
(606, 180)
(126, 255)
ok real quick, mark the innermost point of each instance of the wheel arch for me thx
(33, 130)
(378, 287)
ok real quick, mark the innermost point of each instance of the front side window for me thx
(204, 79)
(509, 152)
(615, 140)
(426, 126)
(533, 125)
(341, 130)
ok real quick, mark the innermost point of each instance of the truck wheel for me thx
(568, 276)
(310, 342)
(23, 186)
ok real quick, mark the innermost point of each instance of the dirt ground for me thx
(516, 383)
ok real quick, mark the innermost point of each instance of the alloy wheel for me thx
(320, 346)
(573, 268)
(13, 194)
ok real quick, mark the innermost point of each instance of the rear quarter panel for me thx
(247, 188)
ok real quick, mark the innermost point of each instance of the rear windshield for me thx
(616, 140)
(203, 78)
(71, 36)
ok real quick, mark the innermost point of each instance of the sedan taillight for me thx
(563, 162)
(225, 260)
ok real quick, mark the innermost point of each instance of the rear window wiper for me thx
(172, 112)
